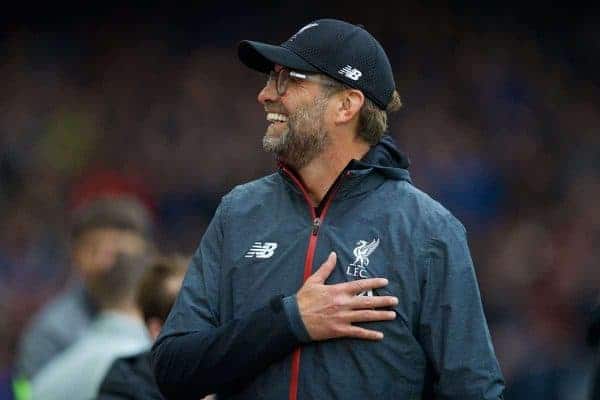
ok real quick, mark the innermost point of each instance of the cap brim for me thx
(262, 57)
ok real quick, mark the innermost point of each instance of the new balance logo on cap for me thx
(261, 250)
(350, 73)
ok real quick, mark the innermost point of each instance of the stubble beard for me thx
(304, 137)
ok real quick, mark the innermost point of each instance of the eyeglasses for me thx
(283, 77)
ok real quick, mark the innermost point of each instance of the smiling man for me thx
(333, 278)
(297, 132)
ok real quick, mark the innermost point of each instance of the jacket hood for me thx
(385, 158)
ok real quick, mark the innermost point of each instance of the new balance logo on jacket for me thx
(261, 250)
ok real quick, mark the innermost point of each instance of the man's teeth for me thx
(275, 117)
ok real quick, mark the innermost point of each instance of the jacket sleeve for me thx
(452, 326)
(197, 353)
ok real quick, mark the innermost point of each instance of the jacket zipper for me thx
(308, 264)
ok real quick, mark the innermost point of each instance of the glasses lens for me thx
(282, 81)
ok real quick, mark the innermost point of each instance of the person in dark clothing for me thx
(335, 277)
(593, 339)
(131, 377)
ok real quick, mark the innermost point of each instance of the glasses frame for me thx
(284, 75)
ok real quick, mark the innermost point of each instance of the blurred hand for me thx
(329, 311)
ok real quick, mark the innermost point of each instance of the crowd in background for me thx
(501, 127)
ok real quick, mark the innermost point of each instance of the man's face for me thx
(297, 130)
(95, 250)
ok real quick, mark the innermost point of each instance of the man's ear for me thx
(349, 104)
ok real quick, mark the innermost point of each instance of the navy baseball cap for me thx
(338, 49)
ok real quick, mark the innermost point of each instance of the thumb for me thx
(325, 269)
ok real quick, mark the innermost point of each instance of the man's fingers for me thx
(362, 285)
(368, 315)
(361, 333)
(366, 302)
(324, 270)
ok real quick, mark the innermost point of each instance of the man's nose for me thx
(268, 93)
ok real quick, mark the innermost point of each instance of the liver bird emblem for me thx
(362, 251)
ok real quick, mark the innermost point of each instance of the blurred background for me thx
(500, 119)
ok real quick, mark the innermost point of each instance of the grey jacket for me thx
(235, 326)
(54, 328)
(76, 373)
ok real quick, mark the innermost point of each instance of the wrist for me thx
(292, 312)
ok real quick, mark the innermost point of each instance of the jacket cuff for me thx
(290, 307)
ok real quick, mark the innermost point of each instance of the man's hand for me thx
(328, 311)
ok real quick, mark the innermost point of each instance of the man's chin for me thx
(273, 142)
(277, 130)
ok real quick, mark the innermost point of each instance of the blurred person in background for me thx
(99, 230)
(254, 321)
(117, 331)
(594, 341)
(131, 377)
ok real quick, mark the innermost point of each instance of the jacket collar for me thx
(383, 161)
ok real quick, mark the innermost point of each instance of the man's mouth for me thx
(276, 117)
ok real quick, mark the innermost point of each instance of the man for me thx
(393, 312)
(131, 377)
(100, 229)
(118, 331)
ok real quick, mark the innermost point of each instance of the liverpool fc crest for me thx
(361, 252)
